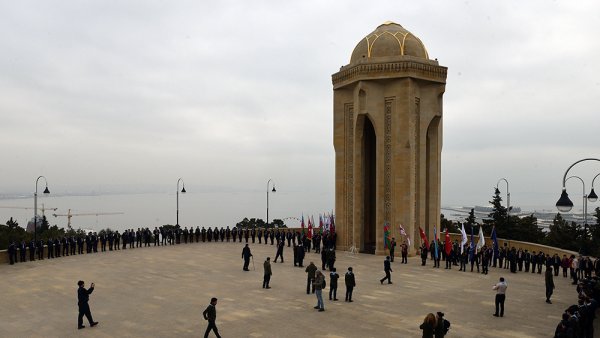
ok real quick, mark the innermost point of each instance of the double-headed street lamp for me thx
(268, 184)
(564, 204)
(46, 191)
(507, 198)
(182, 191)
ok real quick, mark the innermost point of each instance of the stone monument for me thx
(387, 113)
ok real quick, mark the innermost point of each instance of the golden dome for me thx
(389, 39)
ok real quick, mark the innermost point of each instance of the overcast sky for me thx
(127, 96)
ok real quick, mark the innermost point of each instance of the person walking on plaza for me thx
(210, 314)
(83, 296)
(268, 273)
(388, 269)
(549, 284)
(246, 254)
(333, 283)
(319, 284)
(428, 326)
(280, 246)
(310, 278)
(350, 284)
(500, 297)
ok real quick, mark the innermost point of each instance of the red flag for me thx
(448, 246)
(424, 237)
(310, 229)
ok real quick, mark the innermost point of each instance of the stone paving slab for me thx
(162, 291)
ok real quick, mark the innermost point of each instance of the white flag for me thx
(464, 238)
(481, 241)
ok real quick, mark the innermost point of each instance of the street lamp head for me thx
(592, 197)
(183, 190)
(564, 204)
(273, 188)
(46, 191)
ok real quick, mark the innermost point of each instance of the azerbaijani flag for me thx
(310, 229)
(302, 223)
(332, 225)
(386, 236)
(320, 224)
(472, 253)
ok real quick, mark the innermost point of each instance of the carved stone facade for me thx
(387, 140)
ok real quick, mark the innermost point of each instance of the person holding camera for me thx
(83, 296)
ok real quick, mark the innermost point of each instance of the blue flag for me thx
(472, 248)
(495, 242)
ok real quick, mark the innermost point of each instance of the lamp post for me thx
(584, 203)
(46, 191)
(182, 191)
(564, 204)
(507, 199)
(592, 197)
(268, 183)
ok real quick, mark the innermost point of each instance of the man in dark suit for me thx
(83, 296)
(280, 246)
(268, 273)
(387, 268)
(210, 314)
(12, 252)
(350, 284)
(22, 250)
(246, 254)
(32, 250)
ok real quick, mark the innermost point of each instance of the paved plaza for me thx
(162, 291)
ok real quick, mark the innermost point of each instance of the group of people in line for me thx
(92, 242)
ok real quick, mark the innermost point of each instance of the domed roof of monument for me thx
(389, 39)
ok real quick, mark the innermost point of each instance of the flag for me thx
(332, 225)
(405, 235)
(310, 229)
(464, 238)
(302, 223)
(320, 224)
(448, 243)
(472, 246)
(481, 241)
(386, 236)
(435, 241)
(424, 237)
(495, 242)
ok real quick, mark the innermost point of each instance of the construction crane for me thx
(26, 208)
(69, 215)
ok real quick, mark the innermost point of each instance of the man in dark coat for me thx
(350, 284)
(246, 254)
(32, 250)
(210, 314)
(549, 284)
(83, 296)
(311, 269)
(40, 249)
(23, 250)
(333, 284)
(12, 252)
(280, 246)
(388, 269)
(268, 273)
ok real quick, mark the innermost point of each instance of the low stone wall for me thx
(548, 250)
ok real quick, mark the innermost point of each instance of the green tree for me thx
(447, 224)
(498, 217)
(278, 223)
(470, 221)
(526, 229)
(595, 234)
(563, 234)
